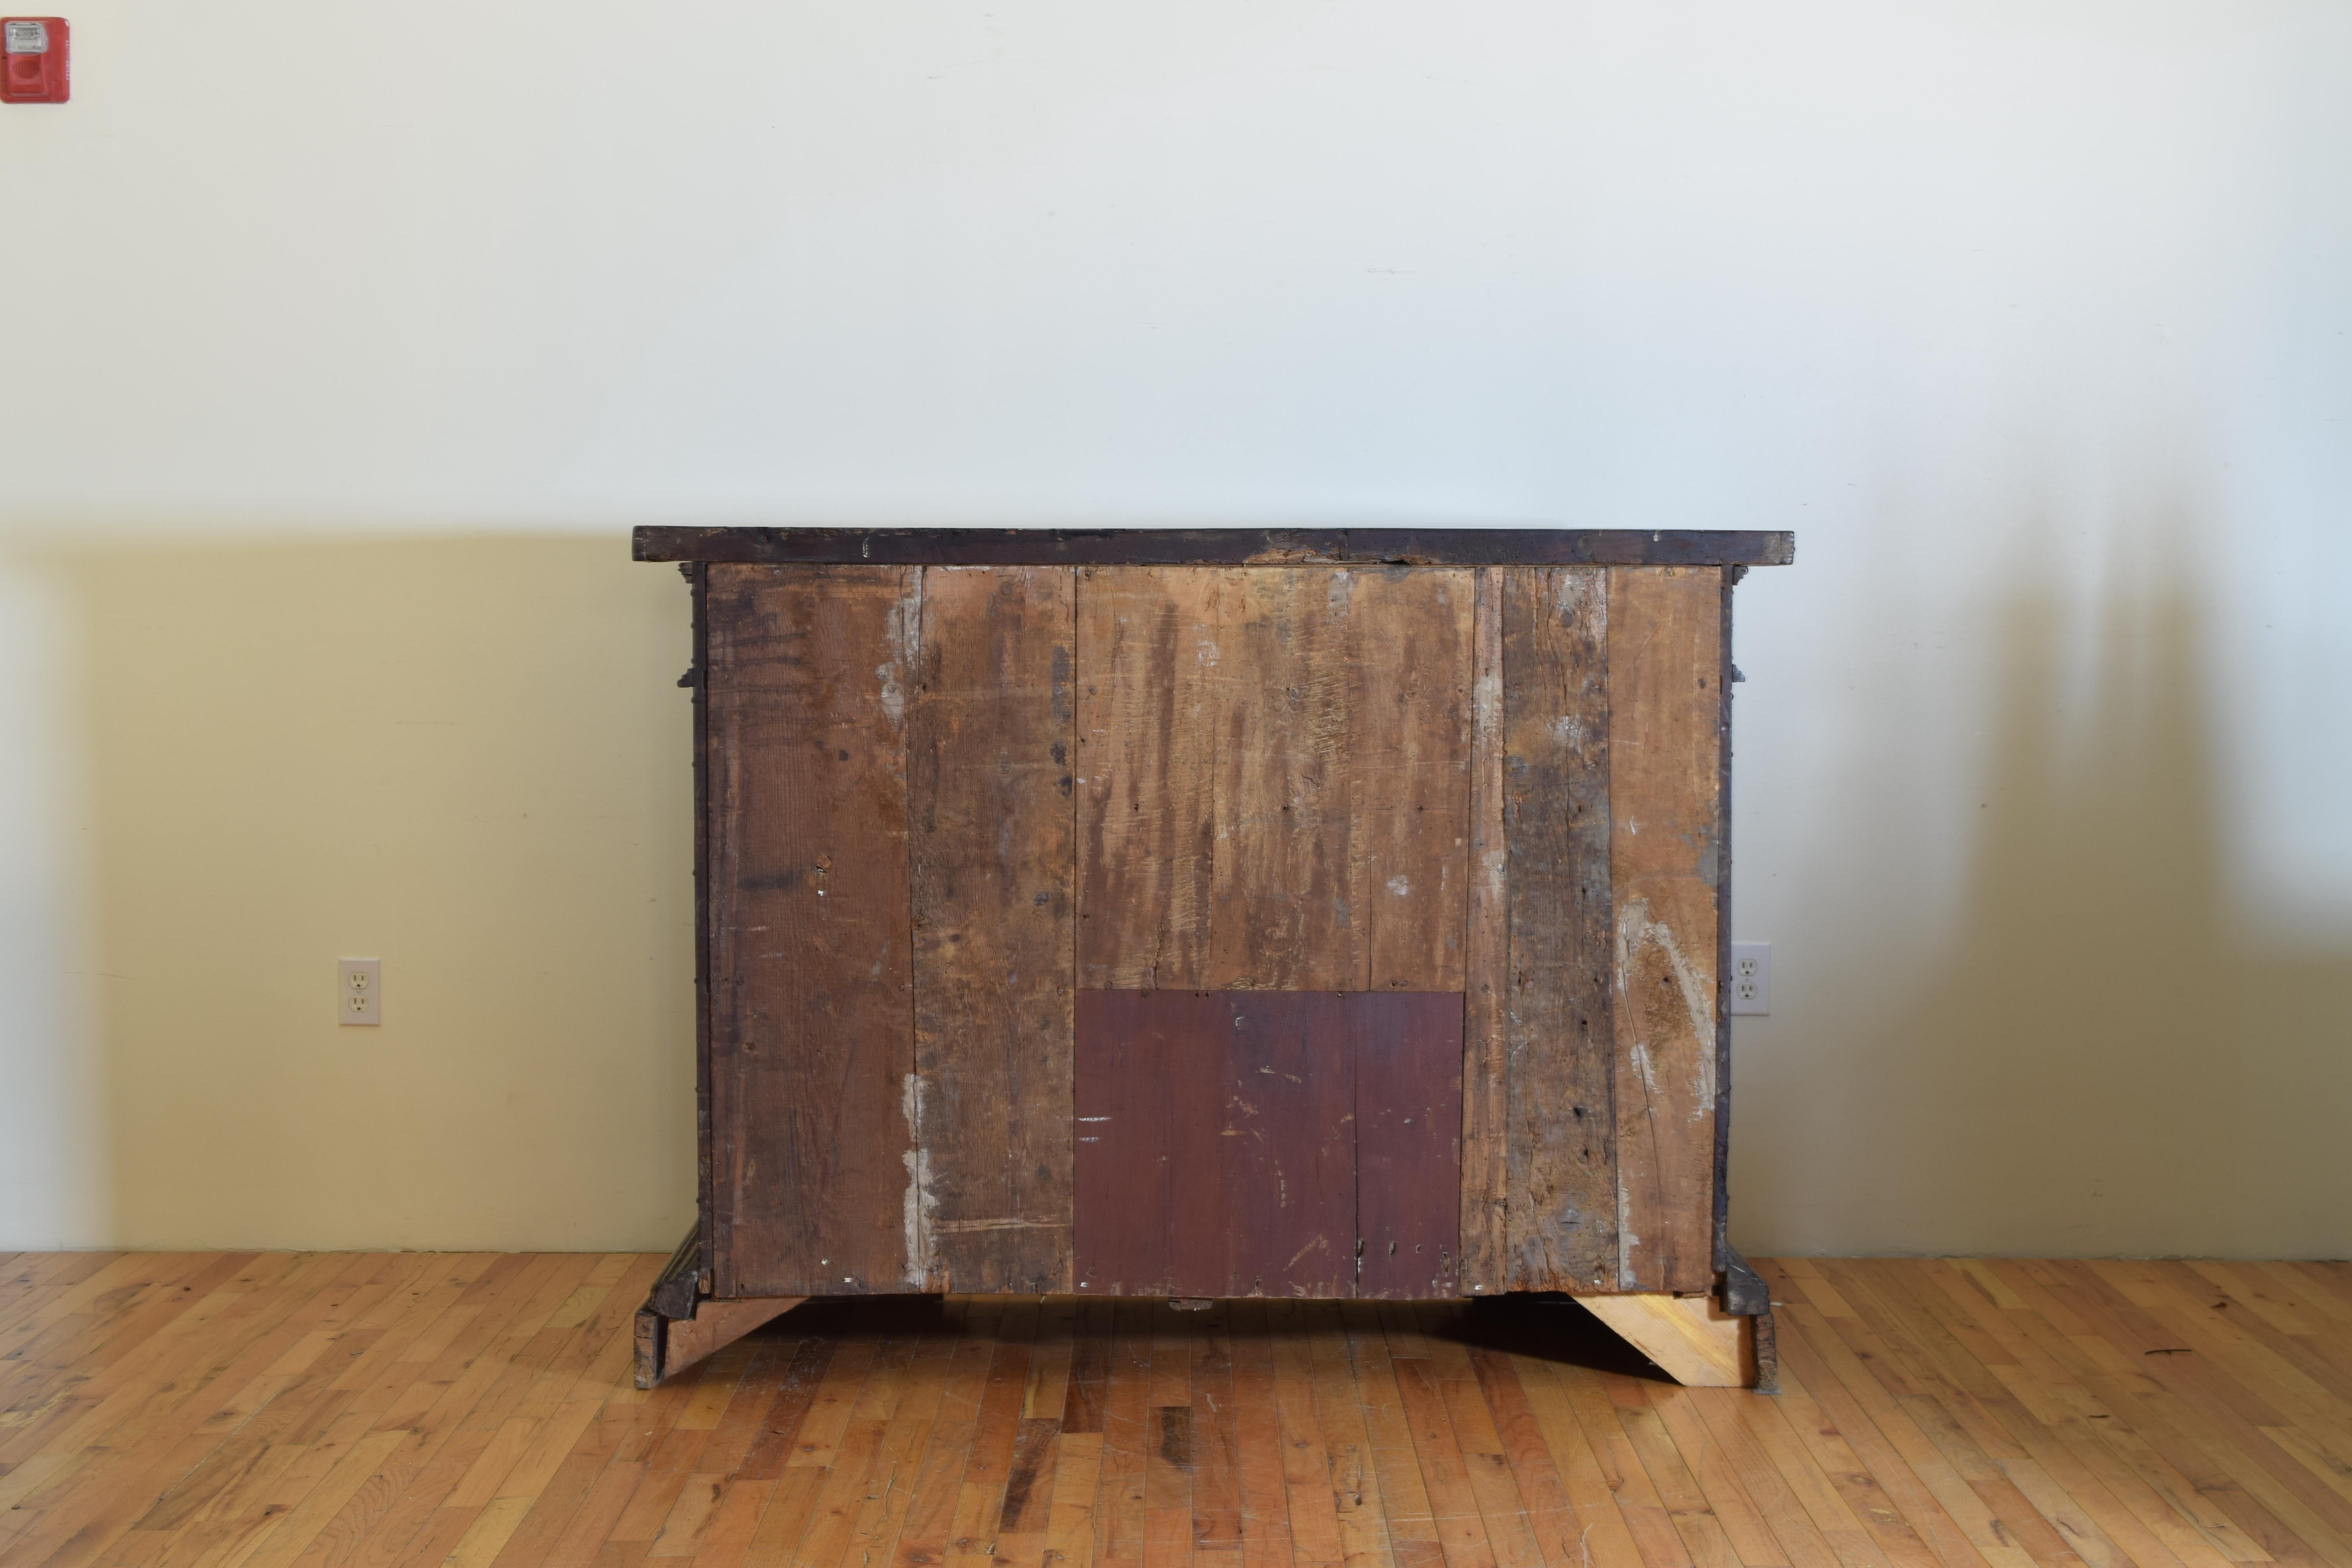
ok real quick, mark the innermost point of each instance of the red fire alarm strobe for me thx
(34, 60)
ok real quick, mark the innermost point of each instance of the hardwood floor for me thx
(273, 1409)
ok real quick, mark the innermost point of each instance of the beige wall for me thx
(467, 756)
(329, 386)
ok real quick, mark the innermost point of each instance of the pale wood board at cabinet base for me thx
(1691, 1338)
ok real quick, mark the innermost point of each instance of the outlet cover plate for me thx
(359, 990)
(1751, 978)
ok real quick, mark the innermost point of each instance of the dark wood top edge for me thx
(1220, 546)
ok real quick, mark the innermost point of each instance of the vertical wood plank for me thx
(1560, 1176)
(811, 1026)
(1485, 964)
(1664, 808)
(990, 844)
(1407, 1051)
(1289, 885)
(1412, 632)
(1342, 780)
(1147, 653)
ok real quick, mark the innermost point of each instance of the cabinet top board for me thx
(1221, 546)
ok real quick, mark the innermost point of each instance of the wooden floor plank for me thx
(364, 1411)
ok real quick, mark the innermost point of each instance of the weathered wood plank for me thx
(1290, 874)
(1407, 1053)
(1486, 1080)
(1218, 546)
(1560, 1175)
(1146, 649)
(1274, 782)
(811, 1026)
(1665, 814)
(1342, 780)
(1410, 755)
(991, 842)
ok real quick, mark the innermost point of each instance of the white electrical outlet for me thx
(1752, 977)
(359, 987)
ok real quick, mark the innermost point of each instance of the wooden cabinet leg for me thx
(666, 1346)
(1698, 1344)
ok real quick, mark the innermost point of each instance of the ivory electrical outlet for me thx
(1752, 977)
(359, 984)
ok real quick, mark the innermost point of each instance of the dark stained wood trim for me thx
(1723, 1252)
(680, 1282)
(698, 678)
(1745, 1294)
(1221, 546)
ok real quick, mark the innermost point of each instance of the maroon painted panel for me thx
(1150, 1077)
(1227, 1142)
(1286, 1146)
(1408, 1058)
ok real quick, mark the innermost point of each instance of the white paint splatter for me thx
(1636, 930)
(921, 1204)
(1627, 1241)
(903, 631)
(1401, 886)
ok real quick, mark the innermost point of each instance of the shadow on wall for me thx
(2102, 1063)
(465, 756)
(468, 757)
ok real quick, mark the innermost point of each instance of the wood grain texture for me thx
(1407, 1054)
(990, 733)
(1666, 812)
(1693, 1339)
(1560, 1048)
(811, 1019)
(1289, 905)
(1408, 761)
(387, 1409)
(1147, 642)
(1274, 787)
(1486, 1071)
(1341, 781)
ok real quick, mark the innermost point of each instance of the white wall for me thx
(340, 344)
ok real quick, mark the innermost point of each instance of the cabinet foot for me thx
(679, 1325)
(666, 1346)
(1697, 1343)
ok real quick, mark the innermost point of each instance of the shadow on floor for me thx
(1550, 1328)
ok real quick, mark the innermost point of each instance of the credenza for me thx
(1214, 913)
